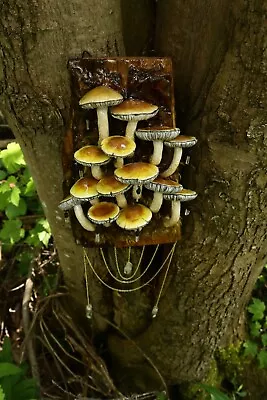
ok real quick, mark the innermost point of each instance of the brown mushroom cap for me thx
(164, 185)
(118, 146)
(161, 133)
(100, 96)
(103, 212)
(134, 110)
(134, 217)
(91, 155)
(183, 195)
(136, 173)
(182, 141)
(85, 188)
(110, 186)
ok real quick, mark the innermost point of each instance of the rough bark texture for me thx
(220, 62)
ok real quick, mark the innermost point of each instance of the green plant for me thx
(216, 394)
(23, 224)
(14, 383)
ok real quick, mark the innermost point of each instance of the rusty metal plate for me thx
(149, 79)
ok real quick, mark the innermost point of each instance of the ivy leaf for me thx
(251, 348)
(4, 200)
(262, 357)
(30, 189)
(255, 329)
(13, 211)
(6, 352)
(7, 369)
(2, 394)
(12, 231)
(264, 339)
(257, 309)
(12, 157)
(15, 196)
(215, 394)
(3, 174)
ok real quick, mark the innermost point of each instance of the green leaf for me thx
(4, 187)
(255, 329)
(6, 352)
(4, 200)
(7, 369)
(24, 259)
(215, 394)
(264, 339)
(257, 309)
(2, 394)
(3, 174)
(13, 211)
(262, 357)
(25, 389)
(12, 231)
(30, 189)
(40, 234)
(251, 348)
(12, 157)
(15, 196)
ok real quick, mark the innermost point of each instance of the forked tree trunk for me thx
(220, 60)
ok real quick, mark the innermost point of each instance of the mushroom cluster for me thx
(106, 173)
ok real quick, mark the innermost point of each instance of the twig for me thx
(26, 322)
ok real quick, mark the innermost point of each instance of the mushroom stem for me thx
(156, 202)
(175, 214)
(137, 192)
(94, 201)
(96, 172)
(177, 154)
(121, 200)
(157, 153)
(85, 223)
(102, 120)
(130, 129)
(119, 162)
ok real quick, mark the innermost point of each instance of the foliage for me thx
(14, 383)
(21, 213)
(256, 345)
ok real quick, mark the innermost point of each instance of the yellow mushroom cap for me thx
(134, 217)
(118, 146)
(164, 185)
(136, 173)
(109, 186)
(103, 212)
(134, 110)
(85, 188)
(100, 96)
(91, 155)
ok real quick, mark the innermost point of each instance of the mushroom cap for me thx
(118, 146)
(183, 195)
(134, 217)
(103, 212)
(110, 186)
(164, 185)
(70, 201)
(85, 188)
(134, 110)
(182, 141)
(91, 155)
(136, 173)
(100, 96)
(157, 133)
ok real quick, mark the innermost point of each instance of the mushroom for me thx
(178, 143)
(133, 111)
(101, 97)
(134, 217)
(69, 202)
(118, 147)
(161, 186)
(103, 213)
(137, 174)
(94, 157)
(110, 186)
(176, 198)
(158, 135)
(84, 190)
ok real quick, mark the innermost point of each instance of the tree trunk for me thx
(218, 49)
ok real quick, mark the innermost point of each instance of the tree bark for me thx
(219, 56)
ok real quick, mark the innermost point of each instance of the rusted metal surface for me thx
(148, 79)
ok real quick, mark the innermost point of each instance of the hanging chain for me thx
(170, 254)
